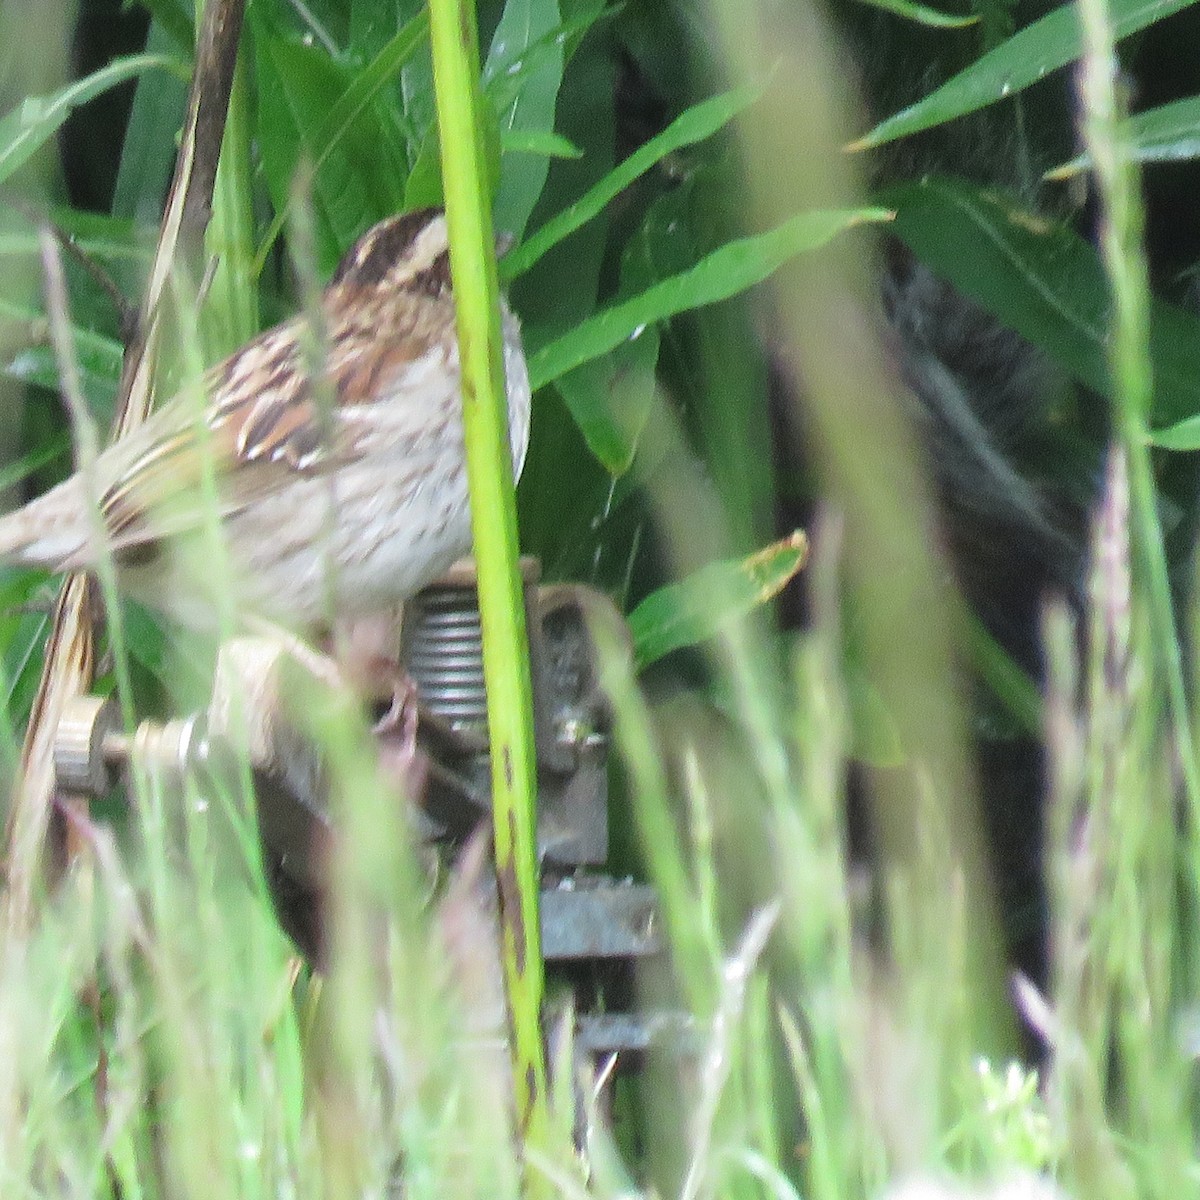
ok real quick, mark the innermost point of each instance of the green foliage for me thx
(1042, 279)
(165, 1042)
(310, 110)
(1165, 134)
(1028, 56)
(29, 128)
(691, 611)
(726, 272)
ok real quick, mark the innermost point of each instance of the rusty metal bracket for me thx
(589, 921)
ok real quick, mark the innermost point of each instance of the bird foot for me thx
(401, 759)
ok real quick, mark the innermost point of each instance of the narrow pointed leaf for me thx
(725, 272)
(1167, 134)
(27, 128)
(1027, 56)
(531, 110)
(922, 14)
(1183, 435)
(31, 359)
(363, 91)
(1044, 281)
(697, 123)
(174, 21)
(369, 82)
(693, 610)
(157, 115)
(530, 141)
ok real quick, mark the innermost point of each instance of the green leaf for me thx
(1167, 134)
(725, 272)
(148, 642)
(579, 16)
(923, 15)
(1042, 280)
(505, 80)
(174, 21)
(715, 368)
(371, 25)
(368, 83)
(27, 128)
(22, 634)
(1027, 56)
(102, 237)
(358, 103)
(416, 91)
(361, 172)
(548, 145)
(149, 149)
(697, 123)
(566, 526)
(531, 111)
(1183, 435)
(693, 610)
(17, 472)
(424, 185)
(562, 288)
(609, 398)
(229, 312)
(1009, 683)
(33, 361)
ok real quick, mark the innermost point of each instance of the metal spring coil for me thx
(443, 652)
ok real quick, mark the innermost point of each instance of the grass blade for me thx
(699, 122)
(1169, 133)
(531, 111)
(685, 613)
(1025, 58)
(725, 272)
(26, 129)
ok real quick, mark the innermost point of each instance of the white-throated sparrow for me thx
(336, 496)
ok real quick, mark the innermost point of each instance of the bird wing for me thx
(264, 423)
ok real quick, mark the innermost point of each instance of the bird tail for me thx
(51, 531)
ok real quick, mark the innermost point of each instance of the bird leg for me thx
(367, 652)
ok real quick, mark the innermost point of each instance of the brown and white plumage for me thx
(349, 494)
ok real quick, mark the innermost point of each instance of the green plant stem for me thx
(494, 526)
(1107, 138)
